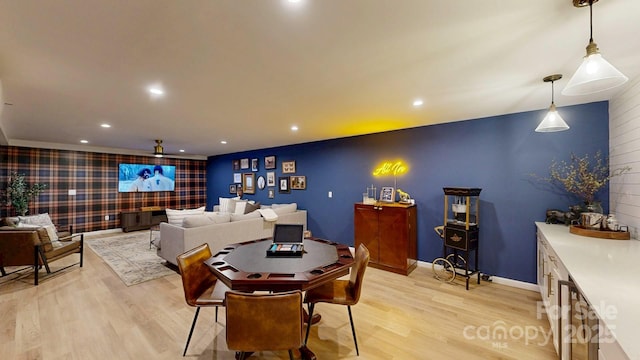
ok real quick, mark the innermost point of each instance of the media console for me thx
(142, 219)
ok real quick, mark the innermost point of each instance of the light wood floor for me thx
(88, 313)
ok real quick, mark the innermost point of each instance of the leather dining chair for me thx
(341, 292)
(201, 287)
(264, 322)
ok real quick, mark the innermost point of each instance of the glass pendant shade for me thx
(595, 74)
(552, 122)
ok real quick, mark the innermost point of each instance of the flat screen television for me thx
(145, 177)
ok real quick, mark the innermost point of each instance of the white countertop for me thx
(607, 272)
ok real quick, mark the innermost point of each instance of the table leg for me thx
(306, 353)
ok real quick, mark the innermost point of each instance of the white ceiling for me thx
(244, 71)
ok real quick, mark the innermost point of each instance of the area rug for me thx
(130, 257)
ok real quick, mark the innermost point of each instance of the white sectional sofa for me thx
(175, 239)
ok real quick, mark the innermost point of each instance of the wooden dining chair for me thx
(264, 322)
(201, 287)
(341, 292)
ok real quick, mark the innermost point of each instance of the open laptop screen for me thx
(288, 233)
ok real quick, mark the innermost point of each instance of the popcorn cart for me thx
(459, 234)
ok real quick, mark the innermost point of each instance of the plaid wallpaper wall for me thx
(94, 176)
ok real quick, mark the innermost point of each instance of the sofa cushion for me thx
(204, 220)
(251, 215)
(40, 219)
(284, 208)
(175, 217)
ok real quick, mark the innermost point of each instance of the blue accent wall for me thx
(497, 154)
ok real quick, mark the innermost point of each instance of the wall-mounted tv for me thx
(145, 177)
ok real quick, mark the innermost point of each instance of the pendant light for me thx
(553, 121)
(158, 150)
(595, 74)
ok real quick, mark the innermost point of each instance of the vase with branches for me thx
(18, 193)
(582, 176)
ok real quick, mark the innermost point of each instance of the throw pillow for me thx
(240, 206)
(51, 231)
(249, 208)
(227, 205)
(23, 226)
(284, 208)
(268, 214)
(175, 217)
(45, 241)
(40, 219)
(249, 216)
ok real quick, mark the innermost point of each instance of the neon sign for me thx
(391, 168)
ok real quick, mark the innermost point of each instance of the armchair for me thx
(34, 247)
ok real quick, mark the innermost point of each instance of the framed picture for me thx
(288, 167)
(232, 189)
(298, 182)
(283, 185)
(249, 183)
(236, 164)
(244, 163)
(269, 162)
(271, 193)
(237, 178)
(387, 194)
(261, 182)
(271, 178)
(254, 164)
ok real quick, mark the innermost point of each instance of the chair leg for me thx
(2, 271)
(81, 248)
(311, 306)
(216, 314)
(353, 330)
(290, 354)
(193, 325)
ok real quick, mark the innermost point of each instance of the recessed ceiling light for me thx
(105, 125)
(418, 102)
(223, 142)
(84, 141)
(294, 128)
(181, 150)
(155, 91)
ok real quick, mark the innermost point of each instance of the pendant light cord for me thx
(590, 21)
(552, 95)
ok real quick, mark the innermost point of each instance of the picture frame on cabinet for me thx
(271, 178)
(289, 167)
(387, 194)
(244, 163)
(271, 193)
(283, 185)
(254, 164)
(249, 183)
(269, 162)
(298, 182)
(232, 189)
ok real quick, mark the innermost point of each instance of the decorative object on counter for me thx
(387, 194)
(405, 198)
(611, 223)
(591, 220)
(555, 216)
(621, 234)
(582, 177)
(18, 193)
(372, 194)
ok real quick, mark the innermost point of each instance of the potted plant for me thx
(18, 193)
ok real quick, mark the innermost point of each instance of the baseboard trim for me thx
(498, 280)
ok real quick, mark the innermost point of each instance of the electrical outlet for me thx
(330, 194)
(106, 217)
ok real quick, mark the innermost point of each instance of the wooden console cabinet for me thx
(140, 220)
(389, 231)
